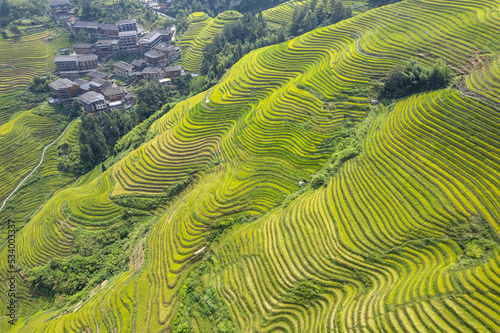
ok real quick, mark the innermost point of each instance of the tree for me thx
(309, 22)
(4, 8)
(14, 29)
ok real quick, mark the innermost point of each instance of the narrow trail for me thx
(41, 161)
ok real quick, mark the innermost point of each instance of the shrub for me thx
(318, 180)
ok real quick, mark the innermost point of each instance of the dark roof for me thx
(151, 70)
(127, 21)
(58, 2)
(108, 26)
(154, 54)
(97, 74)
(99, 82)
(86, 24)
(90, 97)
(127, 33)
(82, 46)
(173, 69)
(123, 65)
(156, 34)
(80, 81)
(85, 86)
(66, 58)
(161, 47)
(114, 91)
(61, 84)
(106, 42)
(87, 57)
(138, 63)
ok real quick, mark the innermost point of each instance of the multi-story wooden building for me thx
(172, 72)
(152, 73)
(93, 102)
(127, 25)
(123, 69)
(83, 48)
(155, 58)
(128, 41)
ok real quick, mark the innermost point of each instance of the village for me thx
(80, 69)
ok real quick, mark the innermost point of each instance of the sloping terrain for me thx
(21, 59)
(202, 30)
(403, 237)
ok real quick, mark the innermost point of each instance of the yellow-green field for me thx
(202, 30)
(21, 59)
(381, 239)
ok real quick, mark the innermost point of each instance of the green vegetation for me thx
(111, 12)
(199, 34)
(182, 8)
(21, 60)
(305, 292)
(399, 235)
(413, 78)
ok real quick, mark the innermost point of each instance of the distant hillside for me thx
(285, 199)
(201, 32)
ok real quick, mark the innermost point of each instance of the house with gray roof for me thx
(93, 102)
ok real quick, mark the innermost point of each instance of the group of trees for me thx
(413, 77)
(378, 3)
(182, 8)
(252, 32)
(318, 13)
(10, 12)
(111, 12)
(95, 257)
(99, 134)
(236, 40)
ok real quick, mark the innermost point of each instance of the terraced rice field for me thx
(22, 59)
(202, 30)
(379, 239)
(21, 142)
(283, 13)
(40, 186)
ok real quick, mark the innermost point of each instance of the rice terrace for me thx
(258, 166)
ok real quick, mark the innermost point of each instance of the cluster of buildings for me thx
(97, 95)
(61, 9)
(73, 65)
(154, 66)
(125, 36)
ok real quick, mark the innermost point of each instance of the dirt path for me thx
(41, 161)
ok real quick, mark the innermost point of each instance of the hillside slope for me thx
(202, 30)
(403, 237)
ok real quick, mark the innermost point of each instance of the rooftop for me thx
(162, 47)
(87, 57)
(138, 62)
(82, 46)
(123, 65)
(58, 2)
(154, 54)
(63, 58)
(108, 26)
(86, 24)
(98, 82)
(97, 74)
(91, 97)
(173, 69)
(106, 42)
(114, 91)
(61, 84)
(127, 21)
(151, 70)
(156, 34)
(127, 33)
